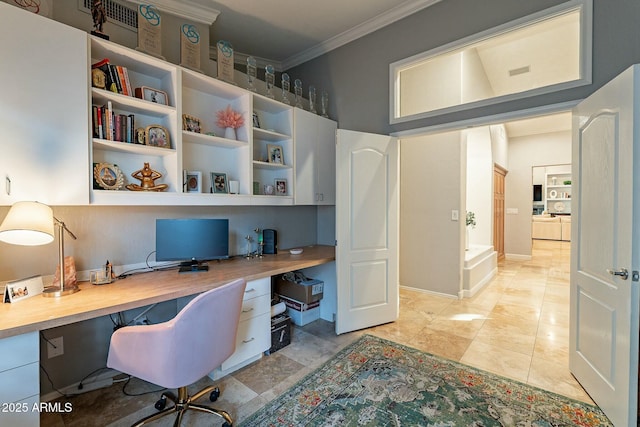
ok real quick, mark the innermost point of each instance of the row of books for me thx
(111, 126)
(116, 77)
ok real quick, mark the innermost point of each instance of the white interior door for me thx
(367, 203)
(604, 302)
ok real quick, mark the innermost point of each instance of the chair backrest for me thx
(204, 331)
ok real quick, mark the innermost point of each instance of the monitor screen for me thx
(192, 239)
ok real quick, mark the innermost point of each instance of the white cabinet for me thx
(558, 193)
(20, 380)
(315, 166)
(44, 121)
(254, 329)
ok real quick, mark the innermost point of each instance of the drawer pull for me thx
(249, 290)
(248, 341)
(248, 310)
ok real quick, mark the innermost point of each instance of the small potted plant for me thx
(229, 120)
(471, 223)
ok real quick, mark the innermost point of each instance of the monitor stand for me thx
(192, 266)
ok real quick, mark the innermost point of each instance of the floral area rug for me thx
(375, 382)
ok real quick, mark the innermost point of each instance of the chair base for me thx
(184, 402)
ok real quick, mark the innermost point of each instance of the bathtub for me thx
(480, 265)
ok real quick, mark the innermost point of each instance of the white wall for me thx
(524, 154)
(475, 85)
(432, 173)
(500, 145)
(480, 184)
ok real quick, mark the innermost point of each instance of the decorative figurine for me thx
(270, 79)
(324, 103)
(147, 177)
(99, 16)
(312, 99)
(286, 85)
(251, 73)
(297, 89)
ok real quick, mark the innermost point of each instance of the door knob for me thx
(623, 273)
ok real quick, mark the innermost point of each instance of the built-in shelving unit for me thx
(558, 193)
(260, 156)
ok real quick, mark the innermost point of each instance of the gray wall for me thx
(357, 74)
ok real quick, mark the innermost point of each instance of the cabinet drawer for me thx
(20, 383)
(256, 288)
(19, 350)
(19, 418)
(255, 306)
(254, 337)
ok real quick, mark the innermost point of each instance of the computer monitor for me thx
(192, 241)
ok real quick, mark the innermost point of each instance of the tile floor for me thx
(517, 326)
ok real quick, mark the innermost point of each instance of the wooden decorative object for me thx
(147, 177)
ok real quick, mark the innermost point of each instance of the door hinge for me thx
(635, 276)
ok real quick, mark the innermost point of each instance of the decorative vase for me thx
(230, 133)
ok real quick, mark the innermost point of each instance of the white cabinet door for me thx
(315, 165)
(44, 110)
(604, 308)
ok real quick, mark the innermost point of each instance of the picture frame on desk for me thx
(23, 288)
(157, 136)
(150, 94)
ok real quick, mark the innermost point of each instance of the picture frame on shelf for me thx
(150, 94)
(219, 183)
(191, 123)
(157, 136)
(256, 120)
(141, 136)
(107, 176)
(275, 154)
(193, 182)
(281, 186)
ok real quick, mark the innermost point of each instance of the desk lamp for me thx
(31, 224)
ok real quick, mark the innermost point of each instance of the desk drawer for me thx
(256, 288)
(255, 306)
(20, 383)
(19, 350)
(254, 337)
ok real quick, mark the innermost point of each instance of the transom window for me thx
(543, 52)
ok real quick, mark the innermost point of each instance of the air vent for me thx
(116, 13)
(521, 70)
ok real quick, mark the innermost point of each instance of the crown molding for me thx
(361, 30)
(185, 9)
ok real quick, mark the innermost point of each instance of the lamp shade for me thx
(28, 223)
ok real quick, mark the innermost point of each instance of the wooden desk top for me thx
(39, 313)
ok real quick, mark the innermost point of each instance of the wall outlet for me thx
(55, 347)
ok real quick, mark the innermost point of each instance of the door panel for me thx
(604, 307)
(367, 206)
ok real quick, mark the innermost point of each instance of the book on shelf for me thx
(116, 76)
(109, 125)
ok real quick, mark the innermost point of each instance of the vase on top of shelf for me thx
(229, 120)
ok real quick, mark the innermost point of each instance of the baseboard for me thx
(424, 291)
(104, 379)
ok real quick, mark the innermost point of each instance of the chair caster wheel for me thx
(161, 403)
(226, 424)
(215, 394)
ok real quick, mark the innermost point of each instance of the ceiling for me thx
(538, 125)
(286, 33)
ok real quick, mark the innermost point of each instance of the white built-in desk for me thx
(21, 321)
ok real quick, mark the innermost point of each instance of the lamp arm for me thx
(64, 227)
